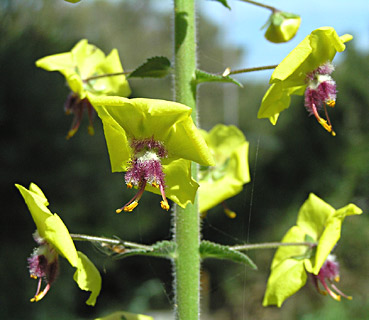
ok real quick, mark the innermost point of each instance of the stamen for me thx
(231, 214)
(129, 207)
(42, 294)
(133, 203)
(331, 103)
(90, 130)
(321, 121)
(164, 204)
(329, 121)
(341, 293)
(76, 122)
(90, 113)
(129, 185)
(330, 292)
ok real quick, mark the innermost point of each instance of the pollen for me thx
(164, 205)
(145, 169)
(130, 207)
(331, 103)
(321, 91)
(230, 214)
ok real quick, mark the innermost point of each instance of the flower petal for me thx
(212, 193)
(277, 99)
(222, 140)
(285, 280)
(294, 234)
(117, 85)
(331, 235)
(180, 187)
(57, 234)
(313, 216)
(166, 121)
(37, 207)
(50, 227)
(65, 64)
(88, 278)
(122, 315)
(317, 48)
(86, 60)
(230, 150)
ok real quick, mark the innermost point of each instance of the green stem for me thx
(228, 71)
(271, 245)
(107, 75)
(85, 237)
(261, 5)
(186, 221)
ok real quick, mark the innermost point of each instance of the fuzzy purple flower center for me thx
(321, 91)
(146, 168)
(329, 273)
(43, 265)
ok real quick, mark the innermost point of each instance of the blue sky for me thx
(241, 26)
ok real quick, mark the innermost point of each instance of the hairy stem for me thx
(228, 71)
(261, 5)
(186, 221)
(85, 237)
(270, 245)
(107, 75)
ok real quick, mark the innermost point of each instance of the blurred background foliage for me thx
(287, 162)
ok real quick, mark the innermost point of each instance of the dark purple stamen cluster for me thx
(321, 91)
(145, 168)
(75, 105)
(149, 171)
(40, 267)
(321, 88)
(43, 265)
(329, 273)
(139, 145)
(326, 68)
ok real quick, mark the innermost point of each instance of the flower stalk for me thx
(85, 237)
(228, 71)
(261, 5)
(271, 245)
(124, 73)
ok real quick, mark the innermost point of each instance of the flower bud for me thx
(282, 26)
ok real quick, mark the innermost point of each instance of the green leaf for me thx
(202, 76)
(214, 250)
(161, 249)
(224, 3)
(156, 67)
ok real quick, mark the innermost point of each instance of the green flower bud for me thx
(282, 26)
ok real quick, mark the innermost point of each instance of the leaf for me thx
(214, 250)
(224, 3)
(202, 76)
(155, 67)
(161, 249)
